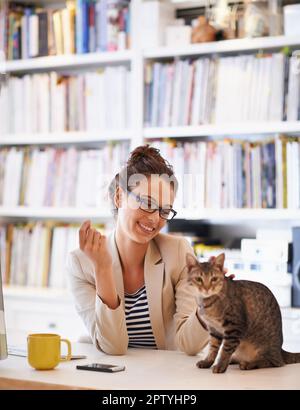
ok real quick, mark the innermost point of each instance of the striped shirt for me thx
(138, 323)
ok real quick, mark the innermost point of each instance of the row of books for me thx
(220, 90)
(52, 102)
(213, 174)
(59, 177)
(82, 26)
(34, 254)
(235, 173)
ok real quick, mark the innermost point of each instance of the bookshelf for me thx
(223, 47)
(70, 61)
(234, 129)
(135, 58)
(236, 216)
(66, 213)
(227, 216)
(127, 56)
(64, 138)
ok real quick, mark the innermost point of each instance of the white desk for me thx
(145, 369)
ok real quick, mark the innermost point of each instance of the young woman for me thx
(130, 287)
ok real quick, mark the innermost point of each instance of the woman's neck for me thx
(127, 248)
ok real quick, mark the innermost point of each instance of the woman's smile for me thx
(145, 228)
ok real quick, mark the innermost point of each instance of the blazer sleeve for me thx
(107, 327)
(190, 336)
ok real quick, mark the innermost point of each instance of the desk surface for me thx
(145, 369)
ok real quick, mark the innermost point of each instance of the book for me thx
(51, 34)
(92, 27)
(293, 92)
(42, 33)
(68, 24)
(58, 32)
(85, 26)
(33, 35)
(25, 32)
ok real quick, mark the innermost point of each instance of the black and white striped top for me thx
(138, 320)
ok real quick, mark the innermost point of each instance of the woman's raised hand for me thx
(94, 245)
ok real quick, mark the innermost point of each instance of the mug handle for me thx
(69, 355)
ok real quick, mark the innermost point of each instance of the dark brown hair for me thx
(143, 160)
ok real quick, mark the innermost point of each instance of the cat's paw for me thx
(220, 368)
(243, 365)
(247, 366)
(204, 364)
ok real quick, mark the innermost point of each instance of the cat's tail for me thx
(290, 358)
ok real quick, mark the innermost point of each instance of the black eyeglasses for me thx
(148, 205)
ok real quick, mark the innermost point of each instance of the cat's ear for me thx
(219, 261)
(191, 261)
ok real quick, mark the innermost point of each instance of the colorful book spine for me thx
(79, 26)
(85, 26)
(43, 33)
(92, 27)
(103, 25)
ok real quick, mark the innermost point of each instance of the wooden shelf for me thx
(234, 129)
(235, 215)
(73, 61)
(229, 215)
(152, 132)
(224, 46)
(65, 137)
(66, 61)
(65, 213)
(186, 4)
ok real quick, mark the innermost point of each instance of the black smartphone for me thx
(101, 367)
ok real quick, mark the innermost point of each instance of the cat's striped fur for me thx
(242, 317)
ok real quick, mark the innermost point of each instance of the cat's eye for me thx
(199, 280)
(214, 280)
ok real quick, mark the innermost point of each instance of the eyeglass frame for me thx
(159, 209)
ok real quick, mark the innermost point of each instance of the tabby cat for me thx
(243, 319)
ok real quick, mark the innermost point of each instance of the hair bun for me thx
(142, 152)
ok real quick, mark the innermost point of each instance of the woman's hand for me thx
(94, 245)
(225, 270)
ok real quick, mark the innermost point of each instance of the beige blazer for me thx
(172, 303)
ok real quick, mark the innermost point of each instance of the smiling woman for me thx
(130, 288)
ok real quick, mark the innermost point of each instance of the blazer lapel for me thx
(154, 269)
